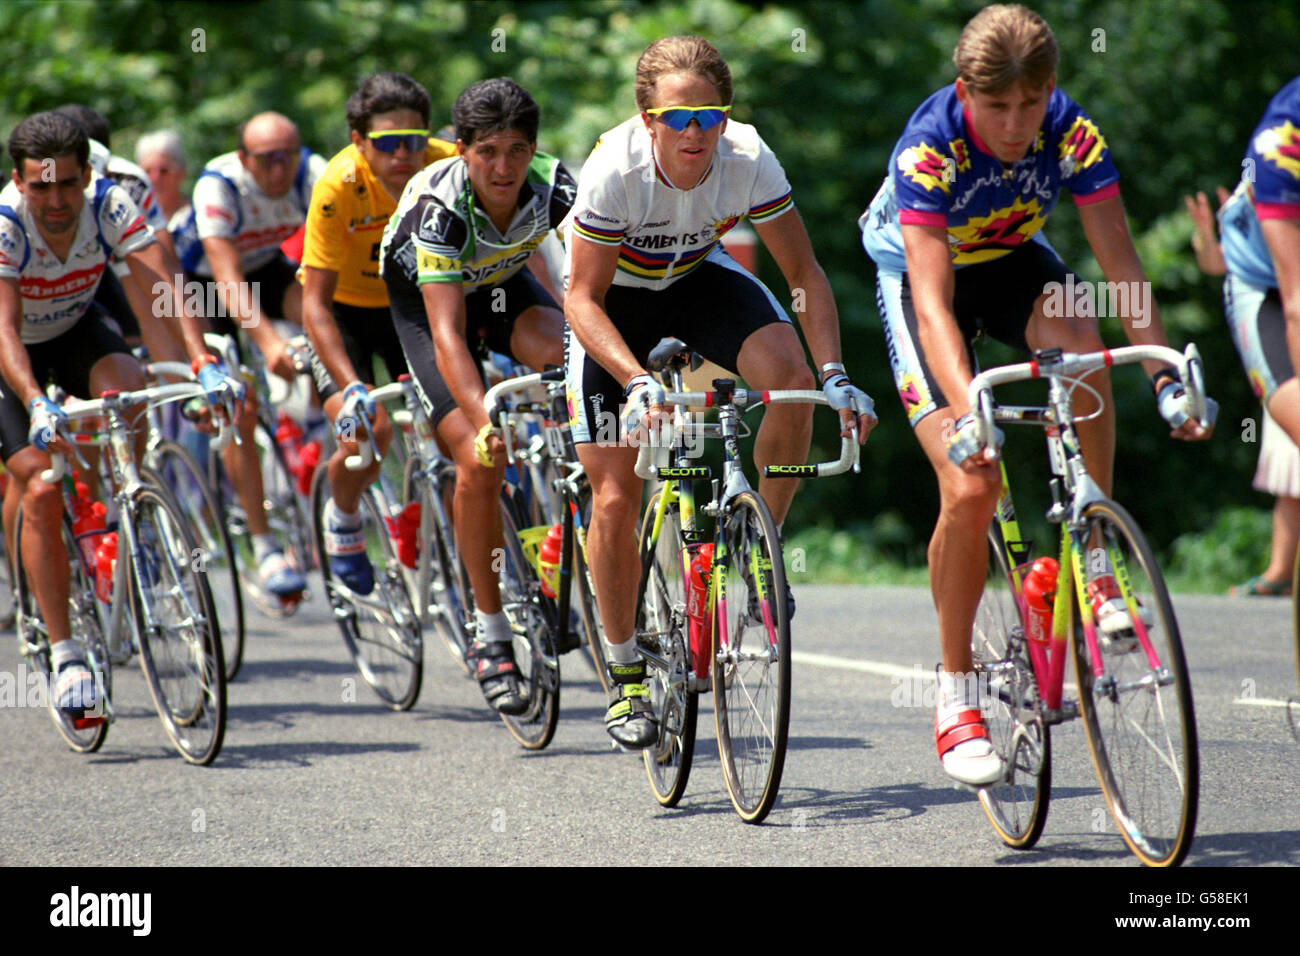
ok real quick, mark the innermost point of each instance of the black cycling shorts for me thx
(66, 360)
(490, 315)
(366, 333)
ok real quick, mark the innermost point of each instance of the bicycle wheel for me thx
(1138, 715)
(441, 588)
(87, 734)
(751, 667)
(532, 623)
(179, 639)
(381, 629)
(661, 631)
(8, 582)
(285, 514)
(183, 477)
(1017, 804)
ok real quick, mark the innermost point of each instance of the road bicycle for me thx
(285, 507)
(188, 482)
(539, 447)
(381, 629)
(1134, 695)
(160, 598)
(736, 641)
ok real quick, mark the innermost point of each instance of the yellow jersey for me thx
(345, 223)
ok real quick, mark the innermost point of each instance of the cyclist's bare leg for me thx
(772, 358)
(346, 486)
(958, 553)
(1284, 406)
(611, 537)
(474, 509)
(537, 340)
(245, 470)
(44, 556)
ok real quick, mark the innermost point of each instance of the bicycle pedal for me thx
(85, 723)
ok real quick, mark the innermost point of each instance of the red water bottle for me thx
(697, 605)
(308, 459)
(548, 561)
(408, 531)
(105, 562)
(289, 437)
(87, 524)
(1040, 589)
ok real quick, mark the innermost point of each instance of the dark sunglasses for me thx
(276, 157)
(387, 141)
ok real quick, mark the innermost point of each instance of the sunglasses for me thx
(275, 157)
(387, 141)
(679, 117)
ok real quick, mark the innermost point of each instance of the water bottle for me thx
(88, 524)
(408, 531)
(548, 561)
(697, 605)
(105, 562)
(289, 437)
(1040, 589)
(308, 459)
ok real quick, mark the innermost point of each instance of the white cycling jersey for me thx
(663, 232)
(55, 294)
(228, 204)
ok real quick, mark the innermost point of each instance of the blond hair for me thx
(680, 55)
(1003, 45)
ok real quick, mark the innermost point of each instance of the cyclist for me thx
(345, 302)
(955, 234)
(55, 241)
(655, 196)
(245, 204)
(459, 258)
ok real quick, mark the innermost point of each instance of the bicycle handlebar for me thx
(647, 463)
(154, 395)
(368, 451)
(1188, 363)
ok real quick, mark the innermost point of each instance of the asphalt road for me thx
(314, 771)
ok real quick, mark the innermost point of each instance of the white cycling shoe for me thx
(965, 751)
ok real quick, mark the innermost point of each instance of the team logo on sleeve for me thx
(927, 167)
(435, 223)
(1081, 146)
(982, 238)
(1280, 145)
(958, 149)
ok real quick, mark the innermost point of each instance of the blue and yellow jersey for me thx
(941, 174)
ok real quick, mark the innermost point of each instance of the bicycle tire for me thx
(534, 641)
(1161, 759)
(751, 672)
(8, 580)
(1017, 804)
(285, 517)
(661, 629)
(441, 586)
(176, 628)
(585, 592)
(381, 630)
(182, 476)
(85, 630)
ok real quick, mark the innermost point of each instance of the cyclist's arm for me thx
(154, 268)
(537, 266)
(15, 365)
(1283, 238)
(787, 240)
(1112, 243)
(318, 286)
(933, 283)
(228, 272)
(591, 274)
(444, 303)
